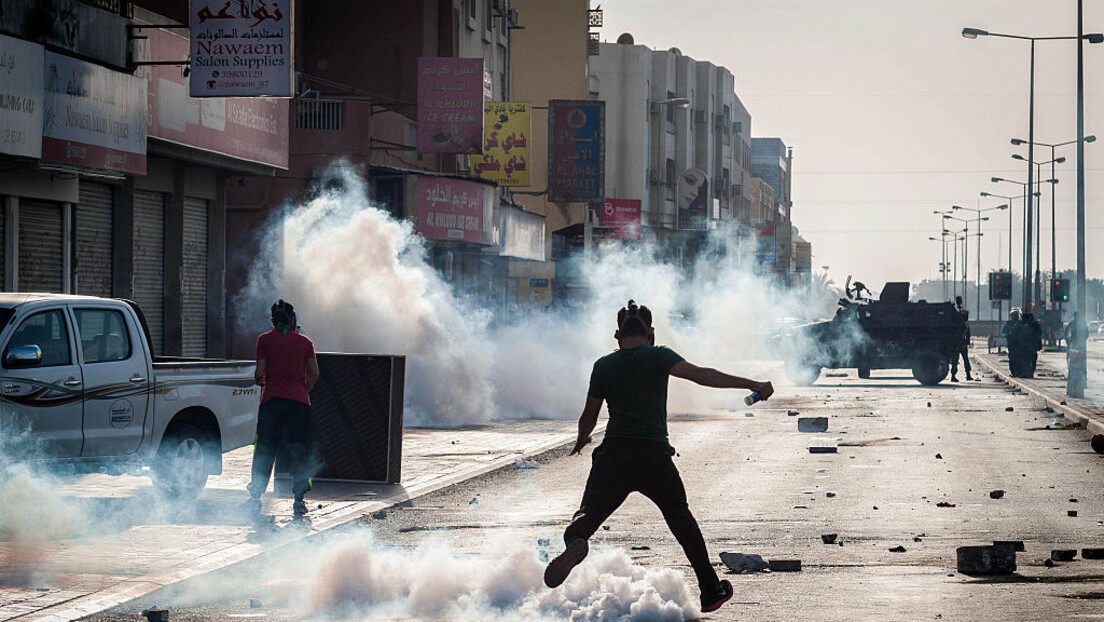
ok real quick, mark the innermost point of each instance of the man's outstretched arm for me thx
(587, 421)
(709, 377)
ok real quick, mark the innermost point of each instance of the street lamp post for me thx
(1038, 213)
(974, 33)
(1029, 201)
(978, 218)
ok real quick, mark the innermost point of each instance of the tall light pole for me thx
(978, 218)
(942, 239)
(1038, 294)
(1029, 202)
(974, 33)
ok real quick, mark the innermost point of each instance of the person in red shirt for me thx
(286, 370)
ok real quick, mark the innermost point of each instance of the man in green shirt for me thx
(635, 455)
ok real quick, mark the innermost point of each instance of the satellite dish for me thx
(626, 39)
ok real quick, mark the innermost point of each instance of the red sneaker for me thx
(558, 569)
(713, 601)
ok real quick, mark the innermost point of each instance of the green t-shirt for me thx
(633, 383)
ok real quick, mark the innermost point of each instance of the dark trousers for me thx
(288, 421)
(621, 466)
(965, 362)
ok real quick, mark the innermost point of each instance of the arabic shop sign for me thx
(450, 105)
(241, 48)
(506, 130)
(451, 209)
(803, 257)
(93, 117)
(20, 97)
(622, 216)
(576, 150)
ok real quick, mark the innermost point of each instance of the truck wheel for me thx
(864, 372)
(179, 471)
(802, 374)
(930, 370)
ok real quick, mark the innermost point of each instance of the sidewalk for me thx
(139, 547)
(1049, 385)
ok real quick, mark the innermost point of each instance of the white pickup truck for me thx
(79, 386)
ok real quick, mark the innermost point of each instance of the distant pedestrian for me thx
(1026, 340)
(963, 348)
(635, 455)
(1006, 332)
(286, 370)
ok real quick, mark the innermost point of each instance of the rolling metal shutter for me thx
(94, 234)
(40, 246)
(149, 262)
(194, 286)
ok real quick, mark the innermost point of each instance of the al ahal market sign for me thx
(241, 48)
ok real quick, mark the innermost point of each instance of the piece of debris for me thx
(823, 446)
(1008, 409)
(1071, 513)
(153, 614)
(792, 413)
(1018, 545)
(829, 538)
(801, 507)
(749, 414)
(785, 565)
(641, 547)
(986, 560)
(474, 501)
(379, 514)
(1063, 555)
(996, 494)
(938, 456)
(1049, 563)
(929, 404)
(812, 424)
(740, 562)
(605, 527)
(254, 603)
(42, 589)
(543, 541)
(1073, 500)
(897, 549)
(1092, 553)
(526, 464)
(944, 504)
(1097, 443)
(829, 494)
(917, 539)
(366, 493)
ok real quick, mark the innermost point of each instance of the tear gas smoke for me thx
(362, 283)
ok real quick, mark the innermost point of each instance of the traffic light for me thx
(1000, 286)
(1059, 290)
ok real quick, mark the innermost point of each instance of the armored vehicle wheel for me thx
(930, 369)
(864, 372)
(802, 374)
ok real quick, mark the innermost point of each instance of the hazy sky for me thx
(892, 114)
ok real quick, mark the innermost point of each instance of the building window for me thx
(472, 14)
(488, 19)
(670, 179)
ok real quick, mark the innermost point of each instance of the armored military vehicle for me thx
(887, 333)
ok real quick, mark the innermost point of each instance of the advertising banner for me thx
(803, 257)
(622, 216)
(765, 247)
(450, 105)
(253, 129)
(576, 150)
(93, 117)
(450, 209)
(20, 97)
(693, 198)
(241, 48)
(506, 130)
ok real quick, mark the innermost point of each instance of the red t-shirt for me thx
(285, 359)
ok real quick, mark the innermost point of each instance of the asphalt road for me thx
(475, 550)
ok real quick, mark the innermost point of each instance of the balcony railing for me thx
(319, 114)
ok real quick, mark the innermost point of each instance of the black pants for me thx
(965, 363)
(282, 420)
(621, 466)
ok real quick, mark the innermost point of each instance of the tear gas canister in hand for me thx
(754, 397)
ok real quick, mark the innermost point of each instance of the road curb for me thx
(138, 587)
(1093, 422)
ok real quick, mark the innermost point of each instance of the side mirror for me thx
(23, 356)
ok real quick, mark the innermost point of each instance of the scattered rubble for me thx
(1008, 409)
(996, 494)
(812, 424)
(785, 565)
(829, 494)
(1063, 555)
(153, 614)
(641, 547)
(1092, 553)
(1071, 513)
(987, 560)
(938, 456)
(1018, 545)
(897, 549)
(944, 504)
(792, 413)
(829, 538)
(740, 562)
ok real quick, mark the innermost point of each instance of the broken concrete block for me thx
(154, 614)
(822, 446)
(812, 424)
(897, 549)
(829, 538)
(1063, 555)
(1008, 409)
(829, 494)
(792, 413)
(996, 494)
(1072, 513)
(740, 562)
(785, 565)
(984, 560)
(1016, 544)
(1092, 553)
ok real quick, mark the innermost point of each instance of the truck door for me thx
(116, 381)
(42, 400)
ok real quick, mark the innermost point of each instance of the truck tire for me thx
(930, 369)
(179, 471)
(802, 374)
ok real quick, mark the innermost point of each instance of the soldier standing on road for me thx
(963, 349)
(1025, 340)
(635, 455)
(286, 370)
(1006, 332)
